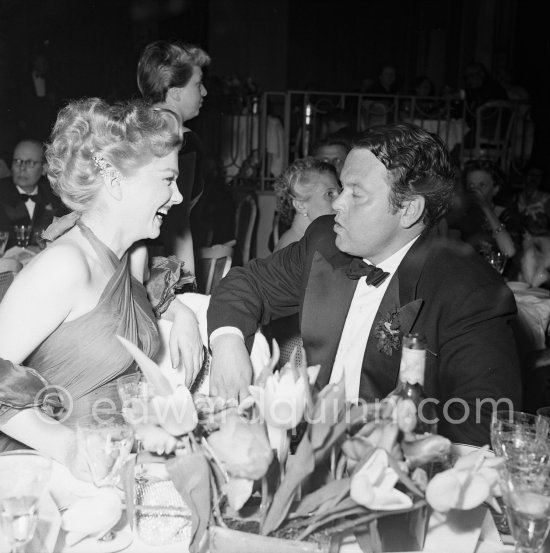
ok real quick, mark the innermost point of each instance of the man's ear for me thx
(412, 211)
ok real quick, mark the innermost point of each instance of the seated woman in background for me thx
(487, 225)
(116, 168)
(304, 191)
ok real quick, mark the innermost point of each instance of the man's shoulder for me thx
(320, 236)
(454, 265)
(8, 190)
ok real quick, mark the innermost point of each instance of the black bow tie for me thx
(27, 197)
(358, 268)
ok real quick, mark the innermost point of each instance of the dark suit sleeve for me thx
(266, 289)
(479, 367)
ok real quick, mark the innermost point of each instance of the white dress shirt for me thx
(29, 204)
(364, 306)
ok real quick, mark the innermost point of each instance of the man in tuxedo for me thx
(26, 196)
(397, 182)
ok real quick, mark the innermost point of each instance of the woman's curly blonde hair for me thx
(297, 182)
(127, 136)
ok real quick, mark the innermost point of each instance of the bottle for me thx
(413, 411)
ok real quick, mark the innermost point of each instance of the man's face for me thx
(333, 154)
(25, 155)
(366, 224)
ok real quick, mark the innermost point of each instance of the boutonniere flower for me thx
(388, 332)
(48, 207)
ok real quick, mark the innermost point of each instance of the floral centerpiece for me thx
(290, 466)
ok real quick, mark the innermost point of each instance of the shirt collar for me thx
(391, 264)
(21, 191)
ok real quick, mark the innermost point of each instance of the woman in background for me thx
(169, 76)
(304, 191)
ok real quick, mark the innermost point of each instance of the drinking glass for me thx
(22, 235)
(4, 236)
(24, 475)
(513, 431)
(106, 440)
(525, 486)
(544, 412)
(134, 392)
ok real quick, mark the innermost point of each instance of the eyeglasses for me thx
(26, 163)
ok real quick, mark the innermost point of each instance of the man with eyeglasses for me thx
(26, 196)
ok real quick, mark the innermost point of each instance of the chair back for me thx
(245, 220)
(214, 263)
(276, 219)
(494, 126)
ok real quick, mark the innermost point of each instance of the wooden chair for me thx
(214, 263)
(493, 132)
(245, 221)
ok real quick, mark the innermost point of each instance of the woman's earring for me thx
(304, 213)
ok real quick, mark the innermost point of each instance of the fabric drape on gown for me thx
(83, 356)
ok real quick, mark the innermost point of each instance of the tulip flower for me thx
(242, 447)
(281, 402)
(373, 485)
(472, 481)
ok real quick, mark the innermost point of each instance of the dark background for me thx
(93, 45)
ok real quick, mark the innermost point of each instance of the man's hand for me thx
(230, 368)
(186, 348)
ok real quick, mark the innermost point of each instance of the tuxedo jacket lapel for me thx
(326, 304)
(380, 370)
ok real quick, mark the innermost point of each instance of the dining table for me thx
(464, 532)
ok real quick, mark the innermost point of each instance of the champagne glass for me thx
(106, 440)
(134, 392)
(525, 486)
(512, 433)
(22, 235)
(24, 475)
(516, 430)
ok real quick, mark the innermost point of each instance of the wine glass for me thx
(513, 432)
(106, 440)
(525, 486)
(134, 392)
(516, 430)
(24, 475)
(22, 235)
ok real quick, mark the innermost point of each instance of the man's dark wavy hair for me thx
(418, 163)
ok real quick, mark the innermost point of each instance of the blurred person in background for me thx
(170, 76)
(26, 196)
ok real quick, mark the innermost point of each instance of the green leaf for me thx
(301, 465)
(321, 496)
(191, 477)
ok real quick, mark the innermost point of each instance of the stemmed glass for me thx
(525, 486)
(134, 392)
(106, 440)
(516, 436)
(24, 475)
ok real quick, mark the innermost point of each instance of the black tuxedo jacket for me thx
(14, 211)
(441, 289)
